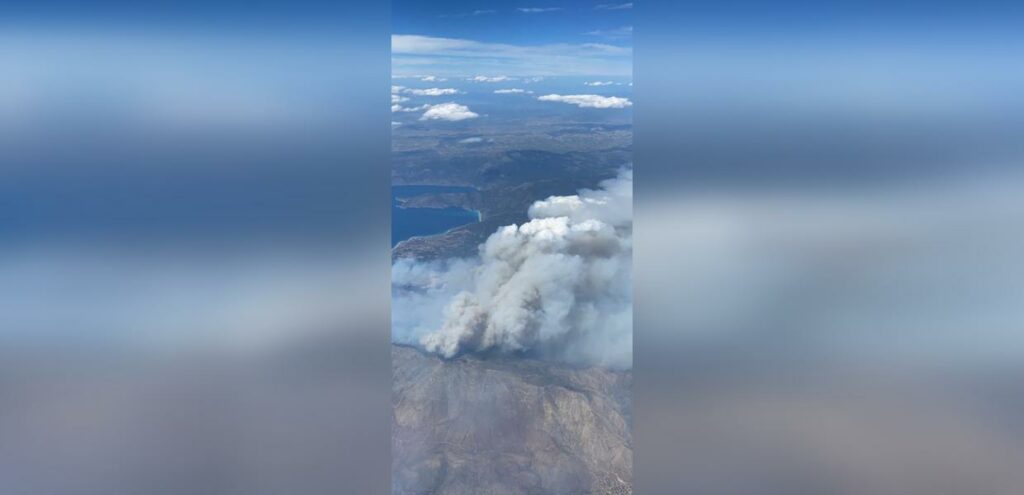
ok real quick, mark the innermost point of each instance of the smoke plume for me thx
(557, 286)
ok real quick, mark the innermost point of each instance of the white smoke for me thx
(557, 286)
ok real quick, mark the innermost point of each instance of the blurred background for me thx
(829, 249)
(194, 257)
(193, 248)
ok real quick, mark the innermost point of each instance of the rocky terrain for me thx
(498, 425)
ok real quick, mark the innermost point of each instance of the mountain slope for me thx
(508, 426)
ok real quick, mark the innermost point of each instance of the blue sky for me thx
(548, 38)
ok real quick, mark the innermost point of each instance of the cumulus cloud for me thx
(398, 99)
(448, 111)
(511, 91)
(432, 91)
(557, 286)
(598, 83)
(395, 90)
(472, 140)
(538, 10)
(589, 101)
(432, 79)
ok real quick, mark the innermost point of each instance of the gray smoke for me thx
(557, 286)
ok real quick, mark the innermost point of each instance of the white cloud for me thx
(490, 79)
(432, 91)
(599, 83)
(538, 10)
(409, 43)
(469, 14)
(589, 101)
(420, 92)
(400, 108)
(432, 79)
(448, 111)
(453, 57)
(472, 140)
(621, 32)
(395, 124)
(614, 6)
(511, 91)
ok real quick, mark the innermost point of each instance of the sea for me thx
(413, 222)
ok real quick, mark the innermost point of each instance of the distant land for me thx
(500, 184)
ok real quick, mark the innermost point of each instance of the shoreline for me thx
(479, 219)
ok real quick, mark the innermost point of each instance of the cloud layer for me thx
(456, 57)
(490, 79)
(538, 10)
(589, 101)
(614, 6)
(399, 108)
(395, 90)
(617, 33)
(432, 91)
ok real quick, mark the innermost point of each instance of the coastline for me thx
(479, 219)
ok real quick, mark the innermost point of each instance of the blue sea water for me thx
(412, 222)
(419, 190)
